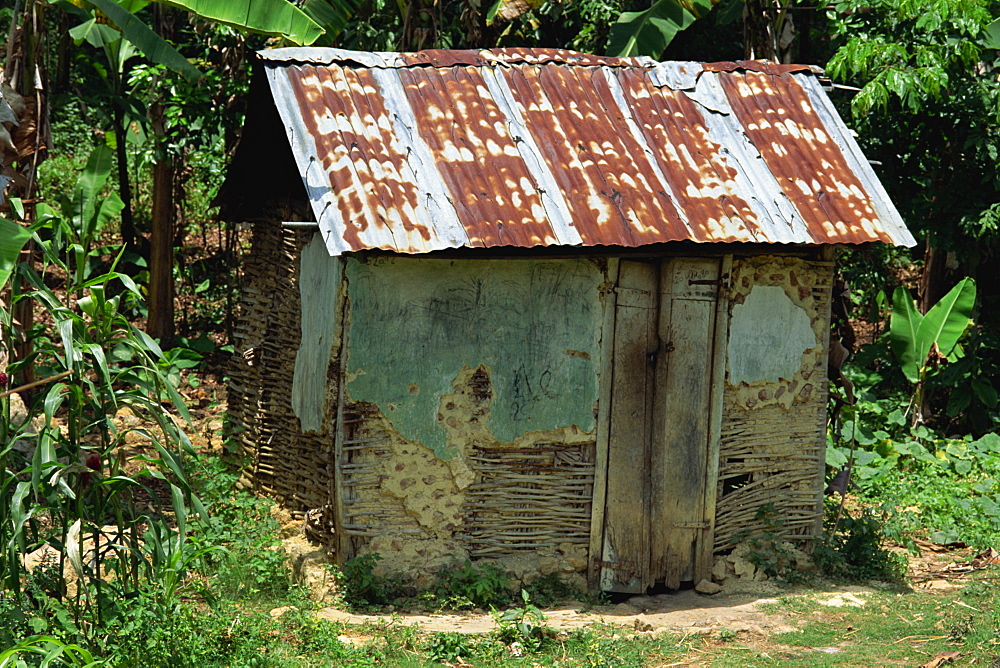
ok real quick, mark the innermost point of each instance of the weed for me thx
(251, 567)
(851, 547)
(362, 586)
(14, 622)
(976, 589)
(549, 589)
(768, 549)
(961, 627)
(524, 626)
(471, 586)
(599, 650)
(449, 646)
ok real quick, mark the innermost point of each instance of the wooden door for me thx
(625, 558)
(657, 521)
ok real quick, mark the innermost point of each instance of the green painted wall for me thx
(319, 280)
(536, 324)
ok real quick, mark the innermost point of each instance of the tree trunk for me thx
(124, 189)
(26, 73)
(933, 277)
(420, 29)
(757, 27)
(160, 324)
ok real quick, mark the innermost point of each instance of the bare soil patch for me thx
(748, 612)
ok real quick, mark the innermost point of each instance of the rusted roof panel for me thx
(532, 147)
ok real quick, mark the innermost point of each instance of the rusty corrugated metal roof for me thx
(525, 147)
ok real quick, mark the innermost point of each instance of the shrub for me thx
(851, 547)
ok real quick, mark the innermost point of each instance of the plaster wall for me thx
(776, 351)
(773, 431)
(484, 378)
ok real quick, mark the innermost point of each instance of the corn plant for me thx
(52, 652)
(66, 462)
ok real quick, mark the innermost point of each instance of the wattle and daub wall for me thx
(461, 400)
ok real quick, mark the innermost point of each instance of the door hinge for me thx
(689, 525)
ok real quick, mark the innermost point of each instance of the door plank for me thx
(681, 428)
(626, 520)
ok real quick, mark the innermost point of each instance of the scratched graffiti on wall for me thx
(415, 322)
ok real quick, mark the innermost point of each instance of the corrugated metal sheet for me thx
(526, 147)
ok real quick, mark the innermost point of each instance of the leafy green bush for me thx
(250, 568)
(450, 646)
(549, 589)
(472, 586)
(361, 586)
(851, 547)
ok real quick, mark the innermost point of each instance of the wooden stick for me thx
(36, 383)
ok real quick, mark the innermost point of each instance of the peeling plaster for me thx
(767, 336)
(433, 491)
(535, 323)
(797, 279)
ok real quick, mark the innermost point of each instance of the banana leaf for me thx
(903, 334)
(947, 320)
(279, 18)
(649, 32)
(912, 335)
(12, 240)
(143, 38)
(331, 15)
(96, 34)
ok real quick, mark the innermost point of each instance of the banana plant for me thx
(12, 240)
(649, 32)
(913, 337)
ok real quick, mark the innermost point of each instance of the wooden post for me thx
(706, 545)
(603, 430)
(341, 539)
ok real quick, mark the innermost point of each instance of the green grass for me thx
(222, 618)
(891, 629)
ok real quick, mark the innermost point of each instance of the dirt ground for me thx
(740, 608)
(684, 611)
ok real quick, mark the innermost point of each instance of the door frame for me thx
(703, 559)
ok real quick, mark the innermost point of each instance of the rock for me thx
(18, 417)
(46, 555)
(624, 609)
(643, 603)
(292, 528)
(744, 568)
(280, 515)
(843, 600)
(707, 587)
(642, 626)
(549, 565)
(719, 570)
(278, 612)
(310, 568)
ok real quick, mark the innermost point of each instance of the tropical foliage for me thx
(149, 545)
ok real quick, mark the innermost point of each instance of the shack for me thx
(562, 312)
